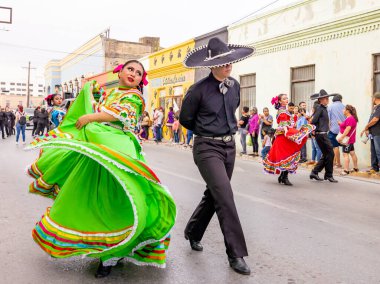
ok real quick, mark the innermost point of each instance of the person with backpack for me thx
(20, 124)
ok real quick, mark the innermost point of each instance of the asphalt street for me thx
(313, 232)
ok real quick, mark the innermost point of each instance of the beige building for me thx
(310, 45)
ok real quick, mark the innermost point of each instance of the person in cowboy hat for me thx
(321, 121)
(208, 109)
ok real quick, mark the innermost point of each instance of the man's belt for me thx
(225, 138)
(321, 132)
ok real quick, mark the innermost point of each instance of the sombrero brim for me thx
(196, 57)
(318, 96)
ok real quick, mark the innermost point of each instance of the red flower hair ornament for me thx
(120, 67)
(274, 100)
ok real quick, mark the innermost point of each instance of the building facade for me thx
(312, 45)
(169, 80)
(14, 93)
(96, 56)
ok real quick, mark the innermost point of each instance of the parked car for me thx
(29, 113)
(66, 103)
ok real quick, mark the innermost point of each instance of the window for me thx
(39, 85)
(162, 98)
(31, 85)
(18, 89)
(247, 91)
(376, 73)
(18, 84)
(12, 84)
(178, 97)
(302, 84)
(12, 89)
(2, 83)
(40, 91)
(23, 84)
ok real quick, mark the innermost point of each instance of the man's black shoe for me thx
(103, 271)
(195, 245)
(239, 265)
(331, 179)
(315, 176)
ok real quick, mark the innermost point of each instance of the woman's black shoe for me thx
(103, 271)
(281, 178)
(285, 179)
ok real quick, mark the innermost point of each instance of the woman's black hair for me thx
(51, 99)
(141, 85)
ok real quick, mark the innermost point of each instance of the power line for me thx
(48, 50)
(262, 8)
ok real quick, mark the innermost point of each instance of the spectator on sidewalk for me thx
(3, 117)
(169, 123)
(301, 120)
(266, 121)
(243, 122)
(372, 130)
(335, 111)
(348, 129)
(43, 120)
(175, 128)
(11, 119)
(158, 124)
(20, 124)
(35, 119)
(316, 152)
(144, 131)
(253, 130)
(189, 137)
(267, 142)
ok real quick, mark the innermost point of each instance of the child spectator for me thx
(267, 142)
(175, 128)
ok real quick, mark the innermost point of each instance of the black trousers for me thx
(215, 160)
(2, 128)
(327, 160)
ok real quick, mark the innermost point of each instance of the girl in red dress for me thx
(284, 155)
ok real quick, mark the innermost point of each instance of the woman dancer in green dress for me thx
(108, 204)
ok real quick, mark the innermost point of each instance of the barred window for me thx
(247, 91)
(376, 73)
(303, 84)
(162, 98)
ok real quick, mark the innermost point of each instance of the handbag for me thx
(346, 139)
(364, 138)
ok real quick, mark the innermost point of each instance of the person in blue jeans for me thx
(189, 136)
(372, 130)
(20, 124)
(267, 142)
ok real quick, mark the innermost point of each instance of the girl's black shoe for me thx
(103, 271)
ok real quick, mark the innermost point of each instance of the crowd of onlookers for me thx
(13, 122)
(256, 130)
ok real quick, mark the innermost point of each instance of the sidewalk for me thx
(361, 175)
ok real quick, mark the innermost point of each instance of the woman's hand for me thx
(340, 139)
(82, 121)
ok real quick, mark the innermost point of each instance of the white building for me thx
(14, 93)
(312, 45)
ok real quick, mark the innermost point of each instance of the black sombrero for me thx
(322, 94)
(217, 53)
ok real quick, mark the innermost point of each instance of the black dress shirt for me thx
(321, 119)
(207, 112)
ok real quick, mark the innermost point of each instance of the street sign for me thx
(5, 15)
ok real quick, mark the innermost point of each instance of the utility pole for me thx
(28, 89)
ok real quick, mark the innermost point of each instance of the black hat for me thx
(322, 94)
(216, 54)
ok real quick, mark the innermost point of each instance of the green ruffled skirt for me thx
(108, 204)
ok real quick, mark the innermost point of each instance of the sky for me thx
(42, 30)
